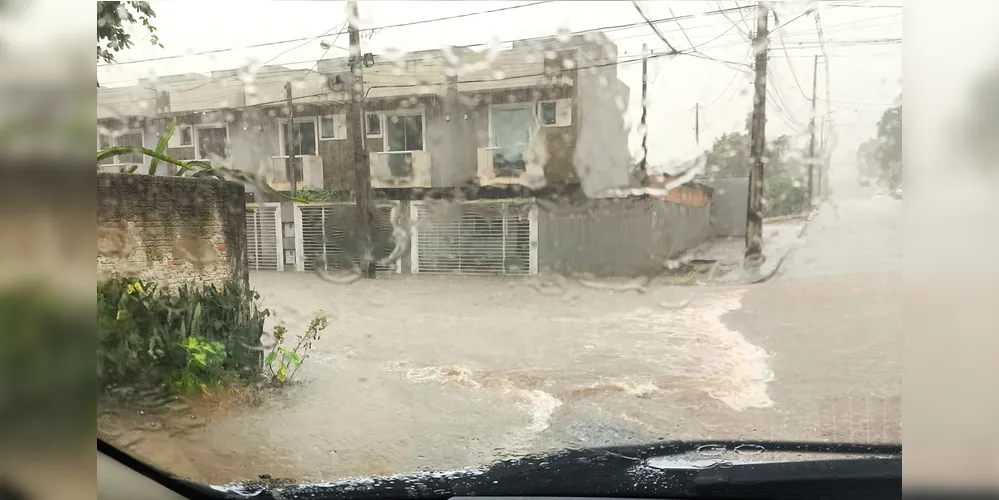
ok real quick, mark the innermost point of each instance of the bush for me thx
(784, 196)
(145, 334)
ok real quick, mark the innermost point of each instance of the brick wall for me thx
(171, 229)
(683, 194)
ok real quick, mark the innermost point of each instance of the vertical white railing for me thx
(299, 240)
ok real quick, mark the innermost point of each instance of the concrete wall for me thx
(171, 229)
(618, 237)
(601, 157)
(728, 205)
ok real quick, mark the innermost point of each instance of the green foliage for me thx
(205, 365)
(112, 18)
(308, 194)
(889, 152)
(142, 331)
(867, 161)
(282, 362)
(785, 187)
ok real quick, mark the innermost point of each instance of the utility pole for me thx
(362, 172)
(289, 143)
(811, 131)
(754, 212)
(645, 92)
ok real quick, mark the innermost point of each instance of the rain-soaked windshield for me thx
(341, 239)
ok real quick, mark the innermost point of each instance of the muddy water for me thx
(419, 374)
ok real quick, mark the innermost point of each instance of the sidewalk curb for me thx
(773, 274)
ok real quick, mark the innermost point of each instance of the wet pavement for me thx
(422, 372)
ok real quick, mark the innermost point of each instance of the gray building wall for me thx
(618, 237)
(601, 156)
(728, 205)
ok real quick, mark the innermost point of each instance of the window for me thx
(213, 141)
(373, 124)
(130, 138)
(304, 140)
(511, 131)
(404, 133)
(185, 136)
(548, 112)
(332, 128)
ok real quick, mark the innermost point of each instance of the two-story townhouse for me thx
(541, 113)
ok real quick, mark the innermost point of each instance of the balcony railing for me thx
(499, 166)
(308, 172)
(400, 169)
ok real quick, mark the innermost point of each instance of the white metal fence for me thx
(326, 239)
(264, 245)
(474, 237)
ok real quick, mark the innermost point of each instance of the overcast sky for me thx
(865, 77)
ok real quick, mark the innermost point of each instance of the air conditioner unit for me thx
(400, 169)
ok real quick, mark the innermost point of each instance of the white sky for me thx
(865, 79)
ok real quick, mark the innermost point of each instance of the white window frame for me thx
(531, 105)
(302, 119)
(319, 128)
(196, 137)
(541, 117)
(381, 124)
(404, 112)
(115, 160)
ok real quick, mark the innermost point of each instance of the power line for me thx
(735, 75)
(603, 29)
(734, 24)
(866, 6)
(682, 30)
(653, 26)
(426, 84)
(784, 46)
(331, 45)
(292, 40)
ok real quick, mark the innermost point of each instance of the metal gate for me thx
(264, 245)
(475, 237)
(325, 236)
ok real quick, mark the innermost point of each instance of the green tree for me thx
(112, 19)
(785, 191)
(867, 163)
(889, 152)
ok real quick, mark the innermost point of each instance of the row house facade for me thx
(542, 113)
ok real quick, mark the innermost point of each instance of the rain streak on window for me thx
(462, 232)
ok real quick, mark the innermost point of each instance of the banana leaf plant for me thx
(193, 168)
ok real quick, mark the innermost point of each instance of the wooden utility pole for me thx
(811, 131)
(289, 143)
(645, 92)
(754, 212)
(362, 171)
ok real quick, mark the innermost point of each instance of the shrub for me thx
(144, 334)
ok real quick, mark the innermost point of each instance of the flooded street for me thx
(422, 373)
